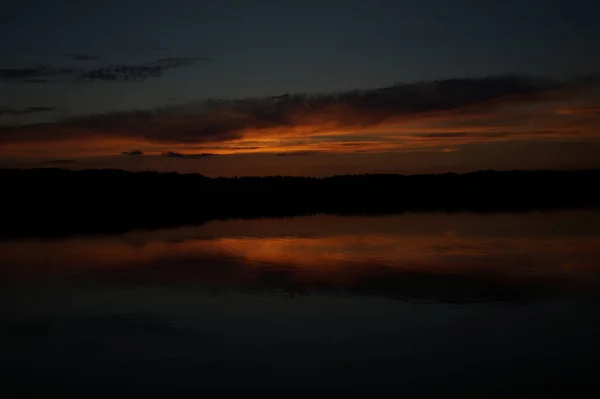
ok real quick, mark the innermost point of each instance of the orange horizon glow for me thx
(415, 136)
(344, 123)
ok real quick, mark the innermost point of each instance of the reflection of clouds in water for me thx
(384, 302)
(395, 252)
(416, 262)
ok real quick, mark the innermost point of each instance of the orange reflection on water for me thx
(314, 248)
(441, 253)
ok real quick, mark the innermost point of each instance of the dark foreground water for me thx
(415, 305)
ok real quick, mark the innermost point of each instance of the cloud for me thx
(243, 148)
(595, 110)
(173, 154)
(122, 73)
(295, 153)
(114, 73)
(38, 74)
(441, 113)
(25, 111)
(132, 153)
(449, 150)
(59, 161)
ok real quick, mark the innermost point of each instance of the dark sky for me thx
(135, 76)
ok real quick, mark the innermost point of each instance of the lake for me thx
(417, 304)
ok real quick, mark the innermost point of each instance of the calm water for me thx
(425, 305)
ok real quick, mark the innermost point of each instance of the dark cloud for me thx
(214, 121)
(244, 148)
(38, 74)
(295, 153)
(351, 137)
(132, 153)
(59, 161)
(21, 73)
(173, 154)
(203, 155)
(122, 73)
(25, 111)
(114, 73)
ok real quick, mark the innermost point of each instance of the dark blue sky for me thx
(265, 48)
(272, 47)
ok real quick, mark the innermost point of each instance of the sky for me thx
(300, 87)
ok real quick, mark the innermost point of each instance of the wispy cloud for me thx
(59, 161)
(132, 153)
(38, 74)
(25, 111)
(150, 70)
(114, 73)
(443, 113)
(295, 153)
(594, 110)
(174, 154)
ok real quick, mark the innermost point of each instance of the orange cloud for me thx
(443, 114)
(579, 110)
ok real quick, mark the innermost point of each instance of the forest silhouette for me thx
(56, 202)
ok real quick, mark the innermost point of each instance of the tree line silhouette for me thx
(55, 202)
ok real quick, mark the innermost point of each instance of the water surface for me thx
(446, 305)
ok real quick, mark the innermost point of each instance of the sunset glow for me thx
(399, 119)
(331, 257)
